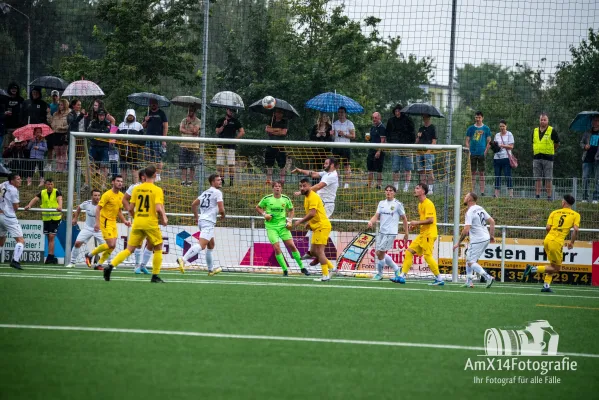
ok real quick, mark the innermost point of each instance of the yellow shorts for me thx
(137, 236)
(554, 251)
(423, 245)
(320, 236)
(108, 229)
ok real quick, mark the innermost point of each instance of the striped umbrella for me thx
(83, 88)
(330, 102)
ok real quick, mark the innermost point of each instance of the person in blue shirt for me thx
(478, 140)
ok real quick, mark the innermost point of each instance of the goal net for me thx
(241, 240)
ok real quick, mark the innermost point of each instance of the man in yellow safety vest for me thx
(544, 144)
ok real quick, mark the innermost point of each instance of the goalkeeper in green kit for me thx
(275, 208)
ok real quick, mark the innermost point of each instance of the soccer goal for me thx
(241, 239)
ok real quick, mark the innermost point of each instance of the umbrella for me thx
(3, 93)
(422, 108)
(582, 122)
(26, 132)
(143, 99)
(227, 100)
(50, 82)
(186, 101)
(330, 102)
(288, 110)
(83, 88)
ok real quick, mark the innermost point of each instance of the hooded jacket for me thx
(13, 104)
(131, 128)
(34, 111)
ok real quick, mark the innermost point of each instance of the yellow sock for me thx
(407, 262)
(330, 265)
(541, 269)
(548, 278)
(122, 256)
(432, 264)
(157, 262)
(105, 256)
(325, 268)
(100, 249)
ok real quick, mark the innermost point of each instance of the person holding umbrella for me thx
(34, 110)
(400, 129)
(590, 160)
(277, 130)
(427, 134)
(156, 124)
(12, 112)
(55, 101)
(190, 127)
(227, 127)
(343, 132)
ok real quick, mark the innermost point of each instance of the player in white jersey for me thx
(476, 227)
(142, 257)
(389, 212)
(89, 207)
(9, 204)
(210, 204)
(326, 189)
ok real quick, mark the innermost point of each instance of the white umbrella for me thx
(83, 88)
(227, 100)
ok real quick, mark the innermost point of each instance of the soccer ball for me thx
(269, 102)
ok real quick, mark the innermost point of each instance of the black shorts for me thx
(477, 163)
(344, 154)
(375, 164)
(271, 155)
(51, 227)
(187, 158)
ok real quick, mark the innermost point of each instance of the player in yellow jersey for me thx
(319, 223)
(107, 211)
(147, 210)
(558, 226)
(425, 241)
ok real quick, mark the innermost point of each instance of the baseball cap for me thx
(54, 93)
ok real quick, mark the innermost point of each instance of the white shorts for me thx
(475, 251)
(86, 234)
(384, 242)
(206, 230)
(329, 208)
(10, 225)
(220, 156)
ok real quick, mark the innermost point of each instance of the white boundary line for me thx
(262, 337)
(323, 285)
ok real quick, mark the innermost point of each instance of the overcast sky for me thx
(506, 32)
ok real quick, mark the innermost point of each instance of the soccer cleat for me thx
(314, 262)
(89, 259)
(138, 270)
(285, 272)
(306, 256)
(398, 279)
(490, 282)
(325, 278)
(377, 277)
(70, 266)
(48, 260)
(468, 285)
(107, 272)
(437, 282)
(397, 272)
(181, 263)
(215, 271)
(99, 268)
(527, 271)
(305, 271)
(144, 270)
(546, 290)
(156, 279)
(16, 265)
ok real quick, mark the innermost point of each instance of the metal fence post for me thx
(503, 235)
(575, 190)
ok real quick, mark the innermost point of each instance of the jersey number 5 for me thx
(143, 203)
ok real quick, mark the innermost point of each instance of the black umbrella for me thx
(186, 101)
(421, 109)
(288, 111)
(50, 82)
(143, 99)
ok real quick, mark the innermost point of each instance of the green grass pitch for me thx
(247, 336)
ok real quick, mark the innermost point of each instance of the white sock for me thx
(137, 254)
(380, 264)
(16, 255)
(209, 259)
(74, 254)
(193, 251)
(468, 273)
(479, 270)
(438, 278)
(396, 185)
(430, 188)
(145, 257)
(402, 275)
(390, 263)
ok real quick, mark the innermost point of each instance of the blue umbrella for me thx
(143, 99)
(582, 122)
(329, 102)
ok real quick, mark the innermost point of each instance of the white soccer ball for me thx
(269, 102)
